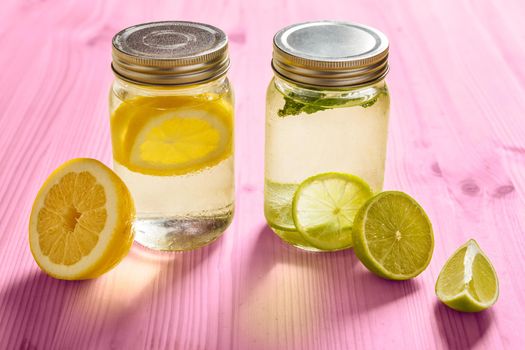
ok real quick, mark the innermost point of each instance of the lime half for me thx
(393, 236)
(324, 207)
(468, 281)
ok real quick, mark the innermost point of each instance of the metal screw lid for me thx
(170, 53)
(330, 54)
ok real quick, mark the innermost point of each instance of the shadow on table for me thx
(32, 308)
(39, 311)
(461, 330)
(338, 275)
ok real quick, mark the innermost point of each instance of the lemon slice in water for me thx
(172, 135)
(80, 225)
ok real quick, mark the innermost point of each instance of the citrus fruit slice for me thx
(468, 281)
(393, 236)
(172, 135)
(278, 199)
(278, 205)
(294, 238)
(324, 207)
(80, 224)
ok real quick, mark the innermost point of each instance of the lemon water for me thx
(349, 137)
(181, 212)
(175, 154)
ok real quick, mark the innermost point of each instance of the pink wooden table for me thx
(457, 144)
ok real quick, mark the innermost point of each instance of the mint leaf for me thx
(371, 102)
(296, 104)
(291, 107)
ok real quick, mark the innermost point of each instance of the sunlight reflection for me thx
(277, 306)
(133, 276)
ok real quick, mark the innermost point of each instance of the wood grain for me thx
(456, 143)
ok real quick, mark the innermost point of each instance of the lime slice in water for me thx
(324, 207)
(278, 205)
(278, 199)
(393, 236)
(468, 281)
(294, 238)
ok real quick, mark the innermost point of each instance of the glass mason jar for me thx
(171, 108)
(327, 111)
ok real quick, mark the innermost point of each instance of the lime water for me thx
(350, 138)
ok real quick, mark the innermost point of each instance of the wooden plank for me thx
(456, 144)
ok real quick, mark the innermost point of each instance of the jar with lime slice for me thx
(326, 130)
(171, 108)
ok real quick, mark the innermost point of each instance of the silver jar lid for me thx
(170, 53)
(330, 54)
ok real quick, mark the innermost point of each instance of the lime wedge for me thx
(393, 236)
(468, 281)
(324, 207)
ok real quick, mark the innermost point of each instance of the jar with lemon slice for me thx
(171, 108)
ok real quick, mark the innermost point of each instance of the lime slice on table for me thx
(468, 281)
(393, 236)
(324, 207)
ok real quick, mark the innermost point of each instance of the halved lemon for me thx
(80, 225)
(172, 135)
